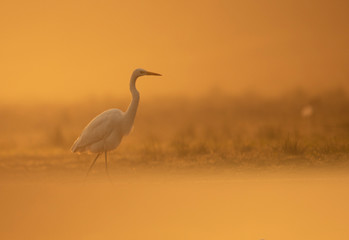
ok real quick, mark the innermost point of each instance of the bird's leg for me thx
(106, 164)
(92, 165)
(106, 167)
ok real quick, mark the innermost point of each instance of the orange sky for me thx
(67, 50)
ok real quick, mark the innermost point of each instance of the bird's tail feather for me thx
(74, 148)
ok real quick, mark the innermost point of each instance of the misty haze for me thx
(244, 136)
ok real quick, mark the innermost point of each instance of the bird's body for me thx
(105, 132)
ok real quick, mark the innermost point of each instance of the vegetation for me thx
(215, 131)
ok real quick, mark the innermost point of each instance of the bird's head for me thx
(141, 72)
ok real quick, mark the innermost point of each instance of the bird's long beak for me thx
(152, 73)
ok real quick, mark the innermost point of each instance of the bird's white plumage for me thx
(105, 132)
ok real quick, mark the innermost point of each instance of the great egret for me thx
(105, 132)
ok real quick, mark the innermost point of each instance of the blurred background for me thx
(245, 136)
(68, 50)
(239, 79)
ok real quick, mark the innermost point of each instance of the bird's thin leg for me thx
(92, 165)
(106, 167)
(106, 163)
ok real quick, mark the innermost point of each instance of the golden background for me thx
(245, 136)
(68, 50)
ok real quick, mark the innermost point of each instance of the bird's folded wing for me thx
(98, 129)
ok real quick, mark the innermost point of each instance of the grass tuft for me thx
(292, 146)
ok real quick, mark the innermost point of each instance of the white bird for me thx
(105, 132)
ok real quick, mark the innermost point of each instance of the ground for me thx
(219, 167)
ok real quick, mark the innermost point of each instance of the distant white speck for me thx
(307, 111)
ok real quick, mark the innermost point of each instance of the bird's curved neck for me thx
(132, 108)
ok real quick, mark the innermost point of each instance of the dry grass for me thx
(214, 131)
